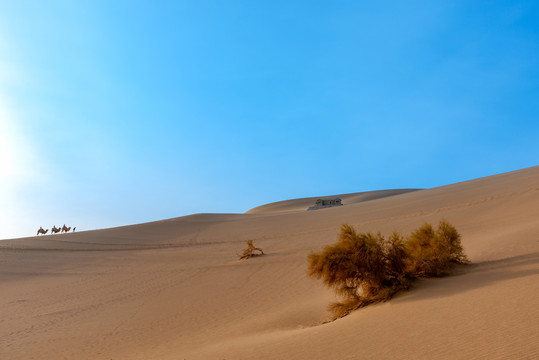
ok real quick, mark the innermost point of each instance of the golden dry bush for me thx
(250, 251)
(431, 252)
(364, 268)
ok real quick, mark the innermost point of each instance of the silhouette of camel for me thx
(55, 230)
(65, 228)
(41, 231)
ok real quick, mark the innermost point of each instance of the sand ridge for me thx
(303, 203)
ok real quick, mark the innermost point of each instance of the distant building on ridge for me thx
(325, 203)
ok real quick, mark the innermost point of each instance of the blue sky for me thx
(121, 112)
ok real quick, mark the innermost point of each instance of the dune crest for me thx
(304, 203)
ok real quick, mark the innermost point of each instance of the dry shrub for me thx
(361, 267)
(250, 251)
(431, 252)
(364, 268)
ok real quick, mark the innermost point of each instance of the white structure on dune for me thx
(322, 204)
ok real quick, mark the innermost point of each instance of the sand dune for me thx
(304, 203)
(174, 289)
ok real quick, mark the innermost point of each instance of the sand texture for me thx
(175, 289)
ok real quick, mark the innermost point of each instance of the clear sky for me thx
(121, 112)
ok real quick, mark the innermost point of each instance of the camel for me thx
(41, 231)
(55, 230)
(65, 228)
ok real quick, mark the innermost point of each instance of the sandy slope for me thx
(174, 290)
(304, 203)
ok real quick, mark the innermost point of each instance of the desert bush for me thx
(361, 267)
(364, 268)
(431, 252)
(250, 251)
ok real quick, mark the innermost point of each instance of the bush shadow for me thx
(476, 276)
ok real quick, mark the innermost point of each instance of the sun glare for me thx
(11, 149)
(16, 173)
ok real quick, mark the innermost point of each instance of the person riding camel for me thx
(41, 231)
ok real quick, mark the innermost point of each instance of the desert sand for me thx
(175, 289)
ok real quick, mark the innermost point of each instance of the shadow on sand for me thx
(474, 276)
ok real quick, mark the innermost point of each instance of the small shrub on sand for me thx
(431, 252)
(250, 251)
(364, 268)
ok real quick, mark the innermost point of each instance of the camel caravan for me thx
(55, 230)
